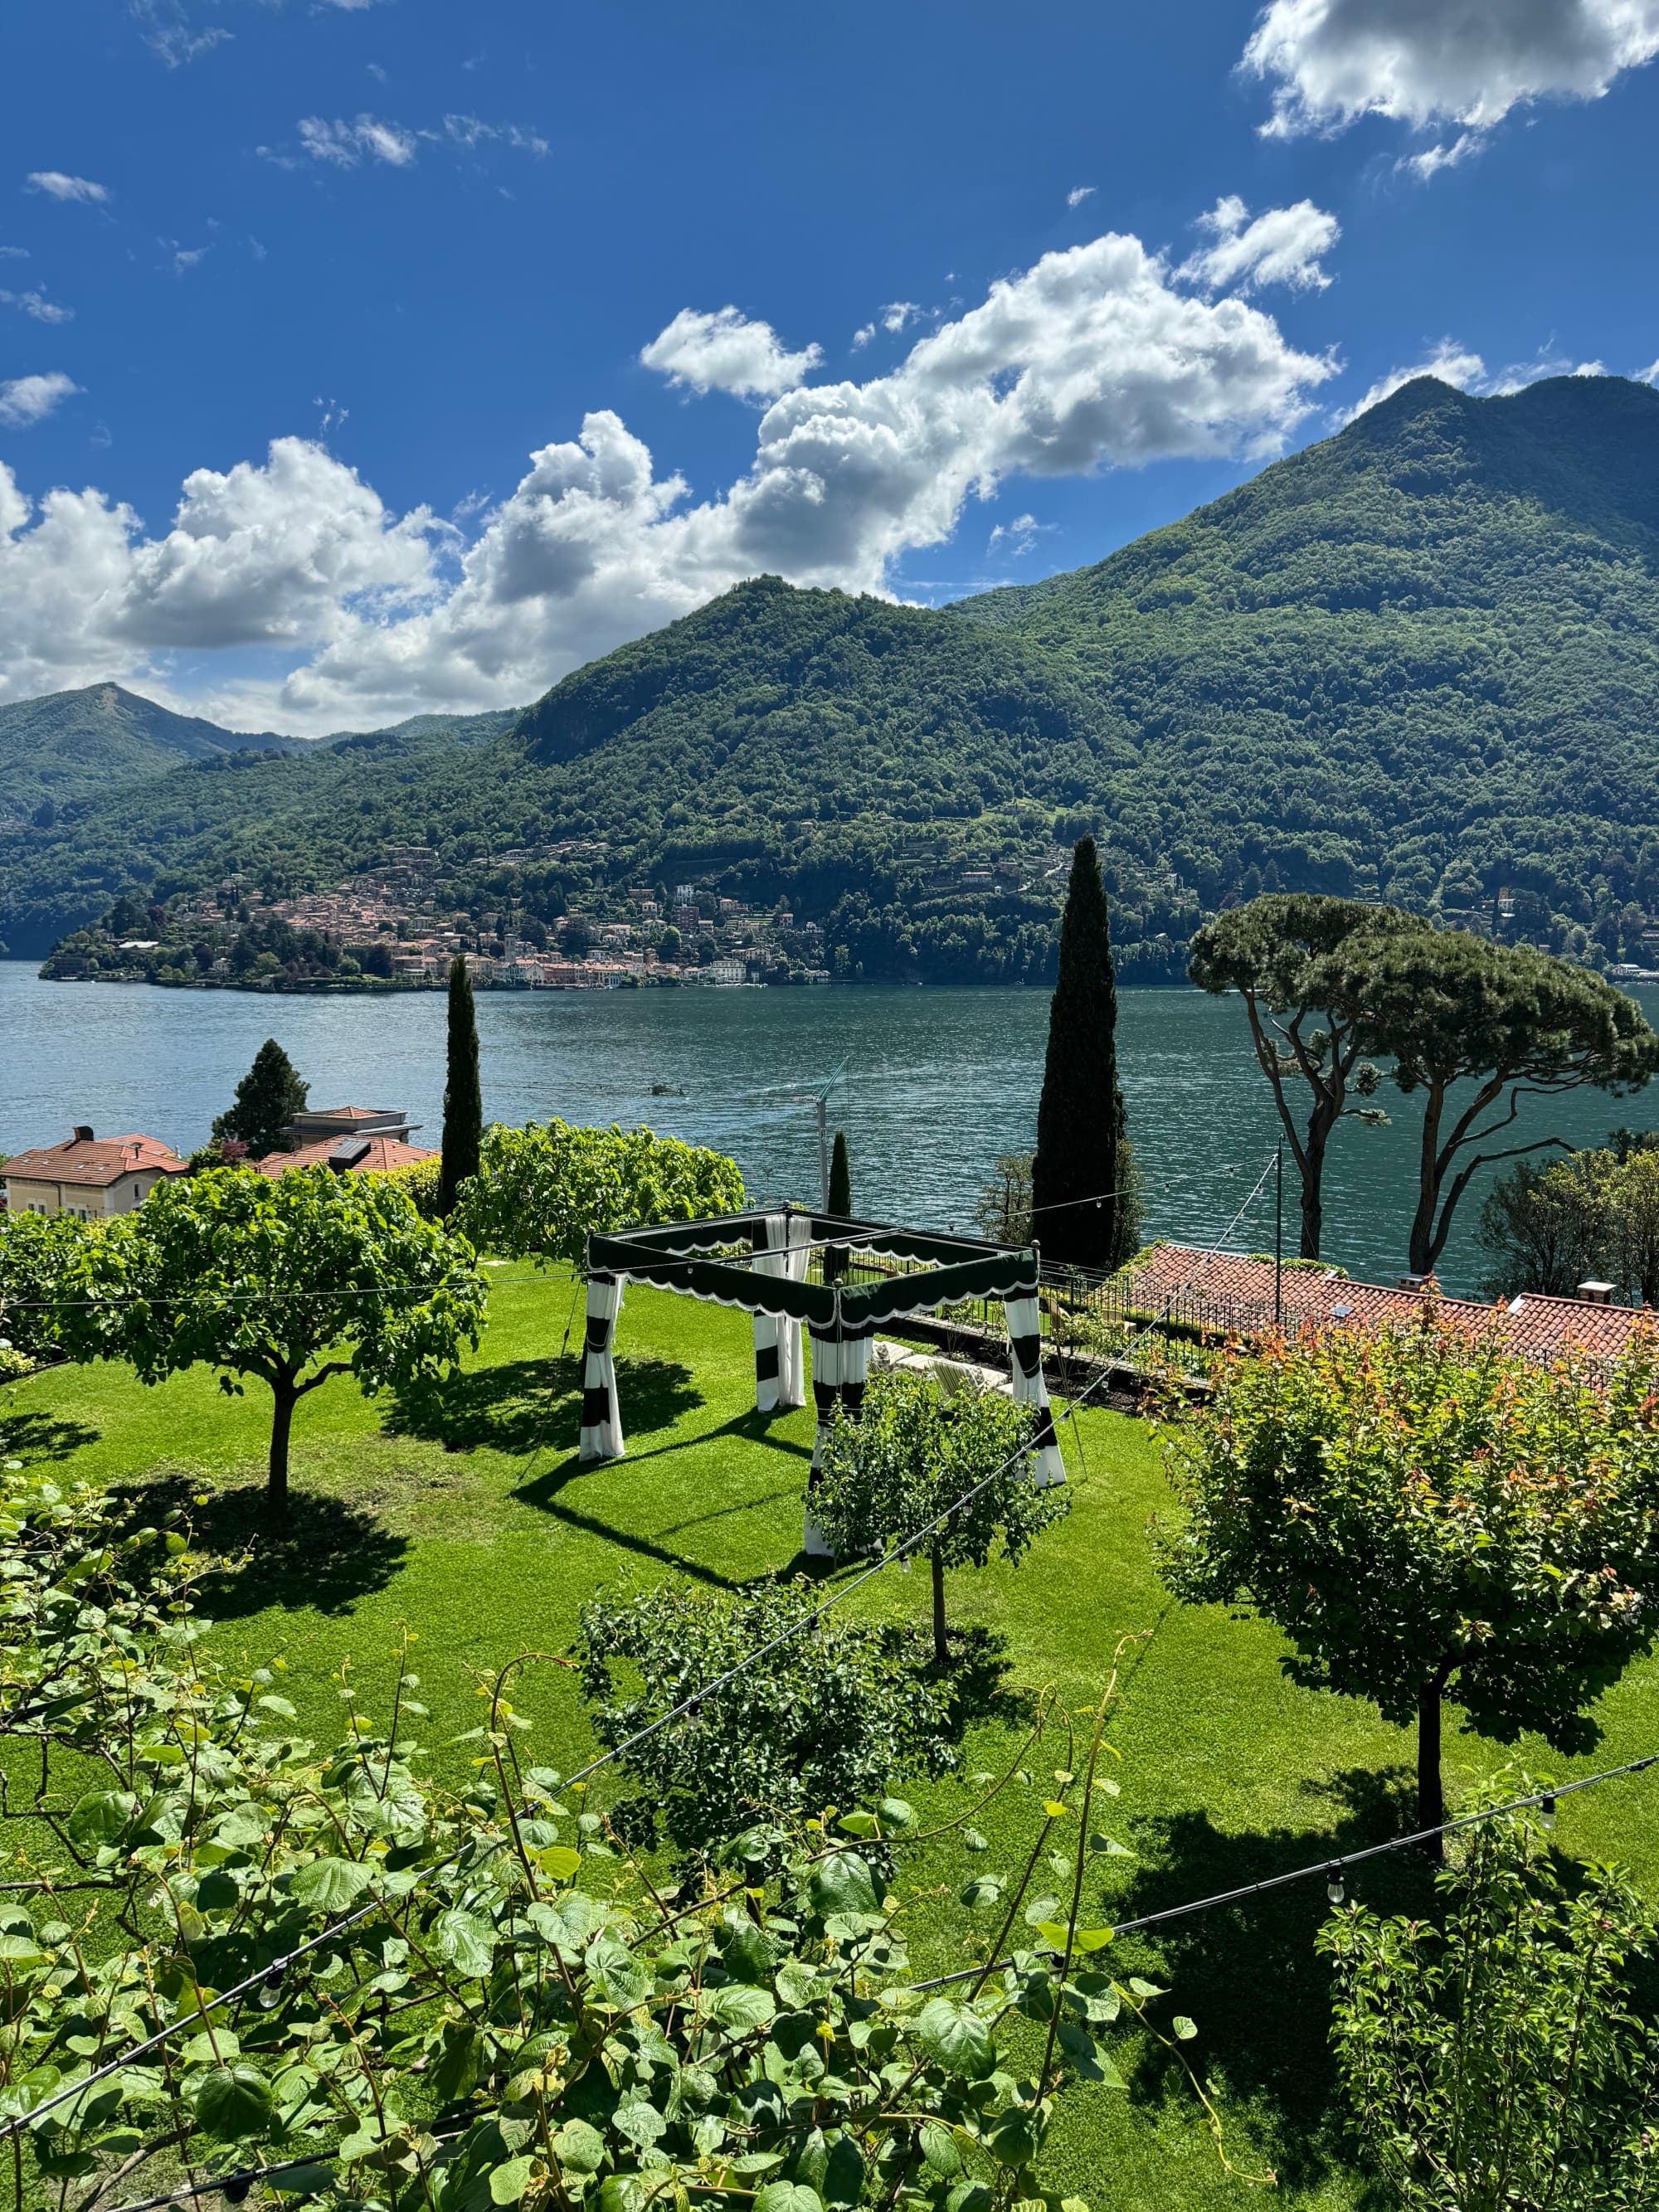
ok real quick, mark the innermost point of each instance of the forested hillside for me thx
(71, 744)
(1419, 661)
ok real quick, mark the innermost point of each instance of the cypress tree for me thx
(463, 1100)
(267, 1098)
(841, 1204)
(1081, 1149)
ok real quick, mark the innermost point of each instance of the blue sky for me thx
(291, 294)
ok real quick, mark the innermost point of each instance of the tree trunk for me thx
(282, 1421)
(1313, 1191)
(941, 1645)
(1430, 1793)
(1421, 1262)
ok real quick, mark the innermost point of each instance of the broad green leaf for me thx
(1185, 2029)
(101, 1817)
(579, 2149)
(17, 1950)
(843, 1884)
(466, 1940)
(508, 2182)
(1146, 1989)
(1041, 1908)
(956, 2037)
(1013, 2140)
(748, 1953)
(788, 2196)
(558, 1862)
(938, 2147)
(740, 2008)
(233, 2102)
(984, 1889)
(329, 1886)
(973, 1841)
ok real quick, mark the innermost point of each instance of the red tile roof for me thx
(94, 1162)
(1228, 1291)
(379, 1154)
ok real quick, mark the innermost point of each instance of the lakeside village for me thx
(552, 917)
(390, 928)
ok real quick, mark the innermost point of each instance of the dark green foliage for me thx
(1504, 2057)
(39, 1256)
(1081, 1121)
(267, 1097)
(463, 1100)
(1540, 1229)
(830, 1718)
(1593, 1215)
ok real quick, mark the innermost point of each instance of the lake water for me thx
(938, 1083)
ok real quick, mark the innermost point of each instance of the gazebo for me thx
(843, 1278)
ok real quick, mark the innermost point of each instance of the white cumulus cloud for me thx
(725, 351)
(57, 186)
(1468, 63)
(1094, 358)
(1282, 245)
(1451, 362)
(26, 399)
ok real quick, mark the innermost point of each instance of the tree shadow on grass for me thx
(977, 1684)
(32, 1437)
(1249, 1974)
(521, 1406)
(322, 1552)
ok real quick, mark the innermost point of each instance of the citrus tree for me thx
(1427, 1516)
(539, 1190)
(1497, 2055)
(911, 1454)
(287, 1281)
(225, 1953)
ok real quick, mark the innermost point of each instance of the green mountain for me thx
(74, 744)
(1419, 661)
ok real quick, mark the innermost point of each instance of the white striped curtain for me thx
(602, 1429)
(780, 1367)
(1026, 1343)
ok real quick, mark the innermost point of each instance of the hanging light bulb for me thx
(1546, 1811)
(1335, 1887)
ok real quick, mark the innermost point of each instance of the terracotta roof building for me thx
(91, 1177)
(350, 1139)
(1232, 1292)
(347, 1156)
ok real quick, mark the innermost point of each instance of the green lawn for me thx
(474, 1526)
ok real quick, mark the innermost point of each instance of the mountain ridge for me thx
(1418, 660)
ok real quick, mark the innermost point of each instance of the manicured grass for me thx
(470, 1522)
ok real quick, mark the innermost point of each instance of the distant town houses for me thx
(91, 1177)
